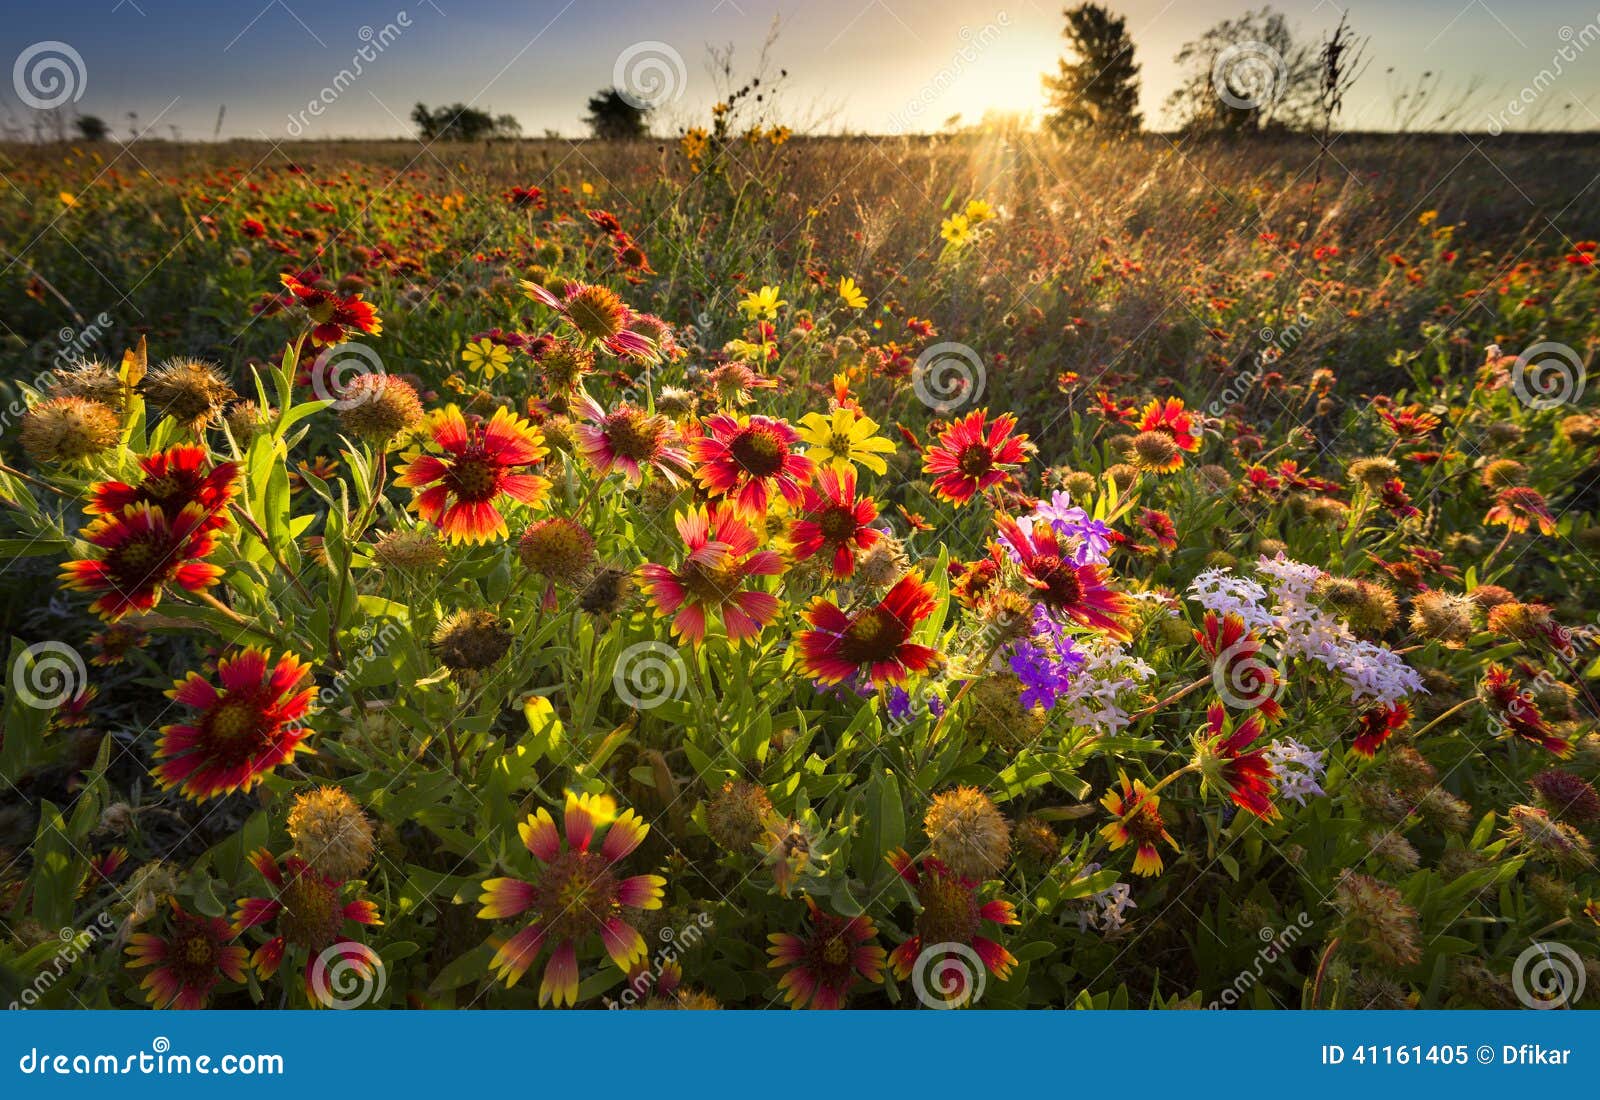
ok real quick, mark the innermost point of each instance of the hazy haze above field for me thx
(858, 65)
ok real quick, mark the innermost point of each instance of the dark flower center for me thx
(759, 452)
(311, 915)
(474, 476)
(873, 636)
(713, 583)
(633, 435)
(1063, 588)
(975, 460)
(574, 894)
(837, 524)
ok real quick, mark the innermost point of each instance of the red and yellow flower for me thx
(576, 892)
(189, 962)
(1518, 507)
(974, 453)
(723, 556)
(748, 458)
(833, 519)
(173, 479)
(1066, 589)
(481, 463)
(1376, 725)
(308, 911)
(628, 440)
(1235, 655)
(952, 913)
(242, 730)
(874, 642)
(1170, 418)
(334, 316)
(140, 550)
(1137, 810)
(827, 961)
(1228, 764)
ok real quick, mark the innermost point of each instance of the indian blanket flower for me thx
(827, 961)
(244, 725)
(747, 458)
(629, 440)
(482, 462)
(1237, 664)
(576, 891)
(1069, 591)
(1171, 419)
(951, 913)
(334, 316)
(833, 520)
(139, 550)
(723, 556)
(1376, 724)
(1517, 508)
(872, 643)
(597, 315)
(308, 912)
(188, 963)
(1516, 713)
(1137, 810)
(974, 453)
(1228, 764)
(173, 479)
(844, 437)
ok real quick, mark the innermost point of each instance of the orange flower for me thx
(480, 464)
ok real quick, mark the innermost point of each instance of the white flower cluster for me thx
(1101, 687)
(1301, 629)
(1104, 911)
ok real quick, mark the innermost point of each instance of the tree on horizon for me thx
(1097, 86)
(612, 117)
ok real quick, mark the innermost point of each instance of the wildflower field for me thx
(749, 571)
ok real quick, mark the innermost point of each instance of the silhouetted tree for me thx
(1245, 75)
(458, 122)
(1097, 87)
(612, 118)
(92, 127)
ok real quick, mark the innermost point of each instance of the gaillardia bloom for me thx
(189, 962)
(951, 914)
(480, 463)
(1138, 822)
(1227, 763)
(833, 519)
(1170, 418)
(308, 912)
(1518, 508)
(576, 892)
(243, 730)
(722, 556)
(1236, 661)
(334, 316)
(141, 549)
(1064, 588)
(973, 454)
(745, 459)
(173, 479)
(597, 315)
(874, 642)
(827, 961)
(628, 440)
(1376, 725)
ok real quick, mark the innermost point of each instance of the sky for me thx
(878, 66)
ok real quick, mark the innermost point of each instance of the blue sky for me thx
(871, 65)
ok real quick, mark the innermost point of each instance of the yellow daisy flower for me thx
(956, 229)
(978, 211)
(851, 293)
(487, 358)
(762, 304)
(844, 437)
